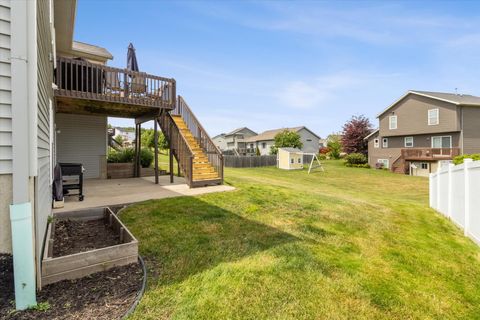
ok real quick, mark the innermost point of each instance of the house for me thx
(423, 128)
(55, 97)
(234, 142)
(127, 134)
(265, 140)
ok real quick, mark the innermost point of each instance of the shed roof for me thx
(289, 149)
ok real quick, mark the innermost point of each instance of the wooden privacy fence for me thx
(454, 193)
(250, 161)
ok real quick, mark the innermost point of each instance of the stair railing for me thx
(399, 163)
(181, 150)
(215, 157)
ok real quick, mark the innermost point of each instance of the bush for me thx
(324, 150)
(355, 158)
(322, 156)
(459, 159)
(146, 157)
(125, 155)
(379, 165)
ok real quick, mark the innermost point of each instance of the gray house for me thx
(265, 140)
(234, 141)
(423, 128)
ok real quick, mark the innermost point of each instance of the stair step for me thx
(205, 176)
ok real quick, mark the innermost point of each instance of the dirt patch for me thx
(74, 236)
(103, 295)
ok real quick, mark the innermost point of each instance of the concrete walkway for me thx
(113, 192)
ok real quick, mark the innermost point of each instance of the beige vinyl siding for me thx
(423, 140)
(471, 130)
(43, 190)
(412, 117)
(83, 139)
(5, 90)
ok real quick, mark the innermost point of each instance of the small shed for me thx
(290, 158)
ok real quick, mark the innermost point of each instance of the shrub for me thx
(146, 157)
(379, 165)
(355, 158)
(122, 156)
(324, 150)
(322, 156)
(459, 159)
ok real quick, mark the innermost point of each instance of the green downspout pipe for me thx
(22, 247)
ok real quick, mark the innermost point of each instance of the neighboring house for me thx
(423, 128)
(127, 134)
(234, 141)
(55, 97)
(265, 140)
(322, 143)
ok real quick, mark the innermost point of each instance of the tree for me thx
(148, 139)
(119, 139)
(354, 132)
(286, 139)
(334, 145)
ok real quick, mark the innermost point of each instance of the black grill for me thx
(74, 170)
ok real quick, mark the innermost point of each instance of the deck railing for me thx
(215, 157)
(81, 79)
(430, 153)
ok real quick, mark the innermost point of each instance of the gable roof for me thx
(270, 134)
(371, 134)
(454, 98)
(238, 130)
(91, 50)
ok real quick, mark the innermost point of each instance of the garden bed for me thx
(83, 242)
(103, 295)
(126, 170)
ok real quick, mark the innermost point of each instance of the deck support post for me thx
(170, 156)
(155, 132)
(138, 147)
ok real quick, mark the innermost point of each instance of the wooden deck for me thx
(429, 154)
(89, 88)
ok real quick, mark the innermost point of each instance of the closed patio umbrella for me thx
(132, 63)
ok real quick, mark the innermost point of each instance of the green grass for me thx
(345, 244)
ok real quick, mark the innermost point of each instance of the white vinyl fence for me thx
(455, 193)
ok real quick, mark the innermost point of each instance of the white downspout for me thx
(23, 238)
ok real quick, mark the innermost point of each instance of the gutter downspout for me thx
(23, 237)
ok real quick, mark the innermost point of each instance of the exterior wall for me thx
(471, 129)
(43, 182)
(5, 91)
(310, 141)
(412, 117)
(83, 139)
(268, 144)
(396, 144)
(5, 201)
(284, 160)
(432, 167)
(220, 142)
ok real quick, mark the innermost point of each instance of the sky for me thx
(274, 64)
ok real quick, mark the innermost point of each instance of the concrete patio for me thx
(115, 192)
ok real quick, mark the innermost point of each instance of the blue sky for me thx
(277, 64)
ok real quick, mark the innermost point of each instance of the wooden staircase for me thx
(399, 165)
(203, 170)
(200, 162)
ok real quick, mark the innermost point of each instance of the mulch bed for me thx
(103, 295)
(74, 236)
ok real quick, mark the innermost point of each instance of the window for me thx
(433, 117)
(385, 143)
(392, 122)
(442, 142)
(384, 162)
(424, 166)
(309, 140)
(292, 161)
(299, 160)
(408, 142)
(376, 143)
(264, 145)
(251, 145)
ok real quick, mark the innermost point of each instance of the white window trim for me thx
(384, 142)
(405, 142)
(429, 118)
(441, 137)
(390, 122)
(386, 163)
(376, 143)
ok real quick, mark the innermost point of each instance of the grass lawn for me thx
(345, 244)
